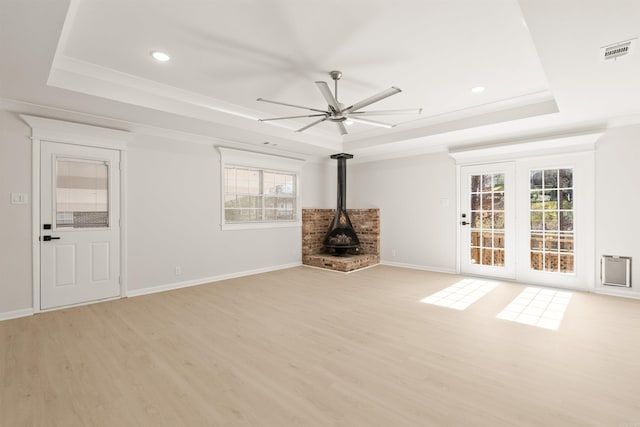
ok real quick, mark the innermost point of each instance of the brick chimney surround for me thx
(316, 222)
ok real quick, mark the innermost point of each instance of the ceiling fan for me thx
(338, 113)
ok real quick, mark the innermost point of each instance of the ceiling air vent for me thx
(616, 50)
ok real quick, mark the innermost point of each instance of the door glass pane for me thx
(487, 219)
(475, 202)
(551, 178)
(566, 178)
(498, 240)
(536, 179)
(82, 194)
(551, 210)
(498, 201)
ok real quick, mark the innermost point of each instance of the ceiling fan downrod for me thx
(335, 75)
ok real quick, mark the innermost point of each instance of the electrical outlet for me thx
(178, 270)
(393, 253)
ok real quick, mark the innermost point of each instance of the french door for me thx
(487, 219)
(79, 224)
(530, 220)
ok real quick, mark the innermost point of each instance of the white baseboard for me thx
(196, 282)
(419, 267)
(16, 313)
(619, 292)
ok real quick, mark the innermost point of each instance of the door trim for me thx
(43, 129)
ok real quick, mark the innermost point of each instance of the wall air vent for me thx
(615, 271)
(617, 50)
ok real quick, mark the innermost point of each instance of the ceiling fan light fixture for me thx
(160, 56)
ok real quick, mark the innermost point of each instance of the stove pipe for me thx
(341, 237)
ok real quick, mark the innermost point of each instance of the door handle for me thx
(47, 238)
(465, 223)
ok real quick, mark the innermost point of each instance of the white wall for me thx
(417, 201)
(174, 214)
(617, 193)
(319, 185)
(409, 192)
(173, 208)
(174, 218)
(15, 251)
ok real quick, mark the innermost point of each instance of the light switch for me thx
(19, 198)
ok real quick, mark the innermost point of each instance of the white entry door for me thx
(79, 224)
(487, 223)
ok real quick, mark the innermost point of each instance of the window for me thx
(259, 190)
(257, 195)
(82, 194)
(487, 219)
(551, 208)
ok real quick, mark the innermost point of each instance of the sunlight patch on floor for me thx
(462, 294)
(543, 308)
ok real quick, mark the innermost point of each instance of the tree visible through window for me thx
(256, 195)
(551, 209)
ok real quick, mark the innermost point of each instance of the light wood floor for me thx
(305, 347)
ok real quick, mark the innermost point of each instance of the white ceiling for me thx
(539, 61)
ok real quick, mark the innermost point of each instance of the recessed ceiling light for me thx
(160, 56)
(478, 89)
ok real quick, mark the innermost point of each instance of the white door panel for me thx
(577, 246)
(487, 223)
(64, 264)
(100, 261)
(80, 212)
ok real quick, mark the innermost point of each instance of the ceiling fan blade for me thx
(342, 128)
(292, 105)
(328, 96)
(387, 112)
(292, 117)
(312, 124)
(371, 122)
(375, 98)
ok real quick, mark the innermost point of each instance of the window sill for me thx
(260, 225)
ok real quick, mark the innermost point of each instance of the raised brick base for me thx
(316, 222)
(342, 263)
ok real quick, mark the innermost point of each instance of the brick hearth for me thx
(316, 222)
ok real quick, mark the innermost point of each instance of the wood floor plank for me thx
(307, 347)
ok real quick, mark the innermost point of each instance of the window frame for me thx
(478, 216)
(233, 158)
(559, 210)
